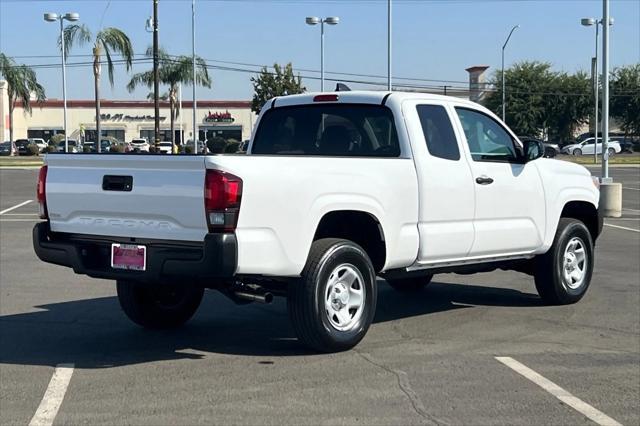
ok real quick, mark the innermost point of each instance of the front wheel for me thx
(577, 151)
(563, 274)
(333, 303)
(611, 152)
(159, 306)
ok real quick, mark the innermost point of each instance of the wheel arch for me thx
(361, 227)
(585, 212)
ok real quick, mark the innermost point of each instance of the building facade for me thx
(126, 120)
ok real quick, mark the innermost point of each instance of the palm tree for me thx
(107, 41)
(22, 82)
(173, 71)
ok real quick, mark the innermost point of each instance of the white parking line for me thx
(577, 404)
(621, 227)
(633, 189)
(631, 210)
(15, 207)
(20, 220)
(52, 399)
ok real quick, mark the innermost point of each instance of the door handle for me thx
(484, 180)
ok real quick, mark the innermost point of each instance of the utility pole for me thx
(389, 83)
(605, 91)
(156, 78)
(196, 134)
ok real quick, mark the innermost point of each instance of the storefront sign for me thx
(218, 117)
(126, 117)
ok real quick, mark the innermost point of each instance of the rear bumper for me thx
(167, 261)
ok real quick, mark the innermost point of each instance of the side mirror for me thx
(533, 149)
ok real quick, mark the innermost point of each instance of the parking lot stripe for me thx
(621, 227)
(633, 189)
(52, 399)
(574, 402)
(15, 207)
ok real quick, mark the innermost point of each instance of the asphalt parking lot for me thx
(429, 358)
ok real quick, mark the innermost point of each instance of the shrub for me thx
(232, 147)
(216, 145)
(51, 148)
(152, 149)
(188, 149)
(86, 148)
(56, 139)
(116, 148)
(32, 149)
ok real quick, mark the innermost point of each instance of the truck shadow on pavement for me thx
(95, 333)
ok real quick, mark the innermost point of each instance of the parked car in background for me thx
(201, 146)
(8, 148)
(23, 146)
(140, 145)
(165, 147)
(74, 146)
(587, 147)
(91, 146)
(39, 142)
(550, 149)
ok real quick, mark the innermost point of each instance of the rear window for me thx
(349, 130)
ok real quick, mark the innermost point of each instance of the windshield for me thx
(354, 130)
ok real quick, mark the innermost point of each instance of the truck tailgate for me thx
(90, 194)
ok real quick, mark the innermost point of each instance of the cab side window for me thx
(438, 132)
(487, 140)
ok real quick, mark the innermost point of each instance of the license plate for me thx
(128, 256)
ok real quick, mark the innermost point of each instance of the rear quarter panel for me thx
(285, 197)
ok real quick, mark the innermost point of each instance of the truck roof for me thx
(359, 97)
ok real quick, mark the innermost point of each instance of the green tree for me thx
(625, 98)
(268, 85)
(172, 72)
(568, 105)
(526, 83)
(22, 83)
(106, 42)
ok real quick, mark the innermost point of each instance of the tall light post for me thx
(314, 20)
(504, 46)
(196, 135)
(71, 17)
(587, 22)
(389, 10)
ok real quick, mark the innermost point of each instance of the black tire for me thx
(410, 285)
(611, 152)
(311, 319)
(577, 151)
(553, 286)
(159, 306)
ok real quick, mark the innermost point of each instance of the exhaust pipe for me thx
(255, 297)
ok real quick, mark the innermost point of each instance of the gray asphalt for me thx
(427, 359)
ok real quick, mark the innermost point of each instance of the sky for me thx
(433, 40)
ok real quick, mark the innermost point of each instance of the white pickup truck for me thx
(335, 190)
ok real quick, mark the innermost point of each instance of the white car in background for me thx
(164, 147)
(42, 145)
(586, 147)
(140, 144)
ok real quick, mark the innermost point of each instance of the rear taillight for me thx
(222, 195)
(41, 192)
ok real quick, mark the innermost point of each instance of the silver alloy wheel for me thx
(575, 263)
(344, 297)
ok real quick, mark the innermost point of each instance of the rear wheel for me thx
(563, 274)
(577, 151)
(159, 306)
(333, 303)
(408, 285)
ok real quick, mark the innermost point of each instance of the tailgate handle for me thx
(117, 183)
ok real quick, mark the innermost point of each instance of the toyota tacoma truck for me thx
(335, 190)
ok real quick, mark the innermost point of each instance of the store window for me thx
(226, 133)
(90, 134)
(45, 134)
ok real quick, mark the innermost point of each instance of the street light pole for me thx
(156, 78)
(53, 17)
(605, 91)
(196, 135)
(314, 20)
(503, 82)
(389, 10)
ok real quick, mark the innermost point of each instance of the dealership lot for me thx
(429, 358)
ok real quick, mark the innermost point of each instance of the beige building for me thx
(126, 120)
